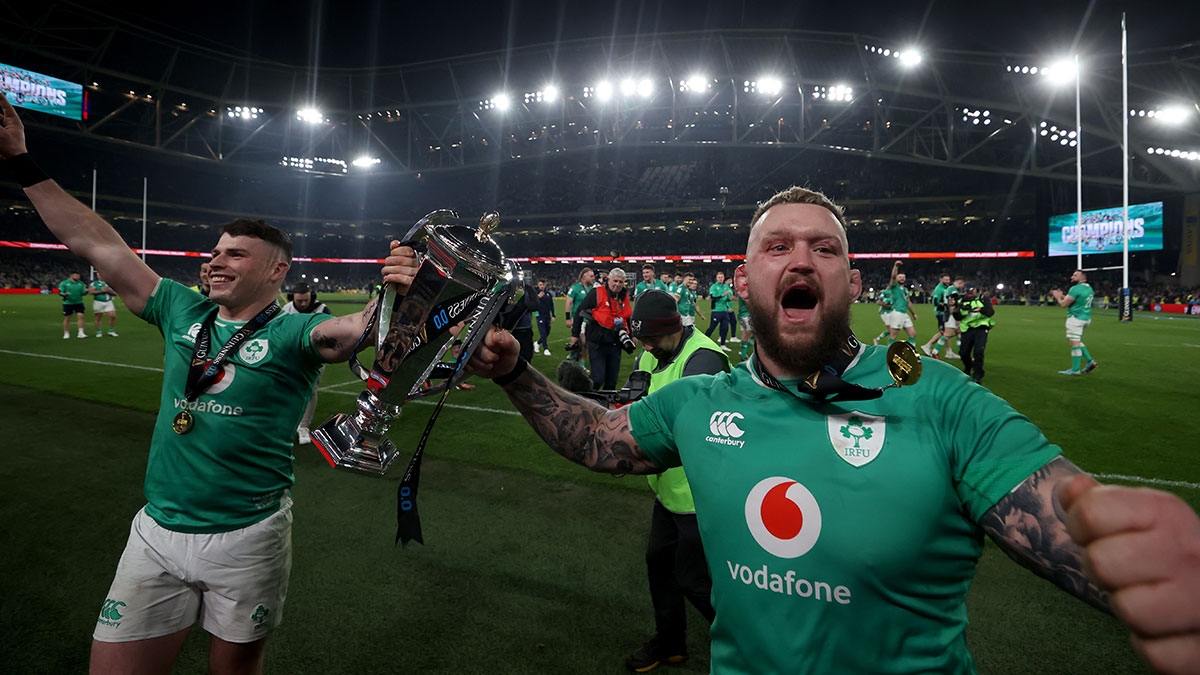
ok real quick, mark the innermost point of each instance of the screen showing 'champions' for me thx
(1101, 230)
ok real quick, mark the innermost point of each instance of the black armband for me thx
(517, 371)
(25, 170)
(568, 315)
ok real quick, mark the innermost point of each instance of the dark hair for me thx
(648, 266)
(259, 229)
(301, 287)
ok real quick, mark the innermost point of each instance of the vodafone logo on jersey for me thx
(783, 516)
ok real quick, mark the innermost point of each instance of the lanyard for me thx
(904, 365)
(202, 373)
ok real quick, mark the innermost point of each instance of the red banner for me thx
(695, 258)
(1172, 308)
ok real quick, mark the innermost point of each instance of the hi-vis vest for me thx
(671, 486)
(974, 316)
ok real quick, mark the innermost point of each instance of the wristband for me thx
(23, 168)
(517, 371)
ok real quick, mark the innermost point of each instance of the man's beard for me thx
(800, 356)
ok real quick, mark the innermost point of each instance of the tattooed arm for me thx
(581, 430)
(335, 339)
(1030, 526)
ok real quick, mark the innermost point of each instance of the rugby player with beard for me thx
(828, 513)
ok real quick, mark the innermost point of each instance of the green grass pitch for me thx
(532, 564)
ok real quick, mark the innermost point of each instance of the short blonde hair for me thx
(800, 195)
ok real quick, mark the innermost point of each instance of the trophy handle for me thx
(381, 318)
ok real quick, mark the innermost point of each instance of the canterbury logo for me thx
(725, 424)
(111, 610)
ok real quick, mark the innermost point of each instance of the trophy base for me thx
(345, 445)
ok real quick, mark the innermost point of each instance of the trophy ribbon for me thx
(408, 521)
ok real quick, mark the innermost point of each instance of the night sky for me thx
(375, 32)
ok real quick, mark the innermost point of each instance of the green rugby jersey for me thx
(1082, 307)
(743, 308)
(723, 295)
(99, 286)
(232, 469)
(687, 302)
(899, 297)
(642, 287)
(939, 297)
(72, 292)
(841, 537)
(577, 293)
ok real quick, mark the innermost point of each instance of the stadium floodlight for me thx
(696, 83)
(604, 90)
(549, 93)
(1062, 71)
(910, 58)
(501, 101)
(310, 115)
(365, 162)
(239, 111)
(1173, 115)
(645, 87)
(999, 287)
(771, 86)
(628, 87)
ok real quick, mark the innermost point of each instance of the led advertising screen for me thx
(27, 89)
(1101, 230)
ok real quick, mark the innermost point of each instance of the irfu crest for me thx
(857, 437)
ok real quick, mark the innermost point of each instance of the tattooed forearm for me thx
(583, 431)
(1028, 524)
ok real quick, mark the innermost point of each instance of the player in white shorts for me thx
(235, 581)
(102, 303)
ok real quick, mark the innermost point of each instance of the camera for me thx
(638, 386)
(625, 340)
(623, 337)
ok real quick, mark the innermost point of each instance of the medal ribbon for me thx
(826, 382)
(203, 372)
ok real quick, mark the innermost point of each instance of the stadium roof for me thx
(255, 85)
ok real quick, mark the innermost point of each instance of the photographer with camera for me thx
(607, 332)
(675, 560)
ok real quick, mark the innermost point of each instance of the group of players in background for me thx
(683, 287)
(961, 312)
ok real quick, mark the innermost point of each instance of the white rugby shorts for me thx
(1075, 328)
(951, 322)
(687, 320)
(899, 320)
(103, 307)
(234, 582)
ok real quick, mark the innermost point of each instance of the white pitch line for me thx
(69, 358)
(1151, 481)
(497, 411)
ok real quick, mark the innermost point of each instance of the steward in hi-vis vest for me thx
(674, 555)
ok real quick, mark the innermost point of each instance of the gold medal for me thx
(183, 423)
(903, 364)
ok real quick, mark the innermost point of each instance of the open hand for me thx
(12, 131)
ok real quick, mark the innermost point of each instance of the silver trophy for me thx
(423, 338)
